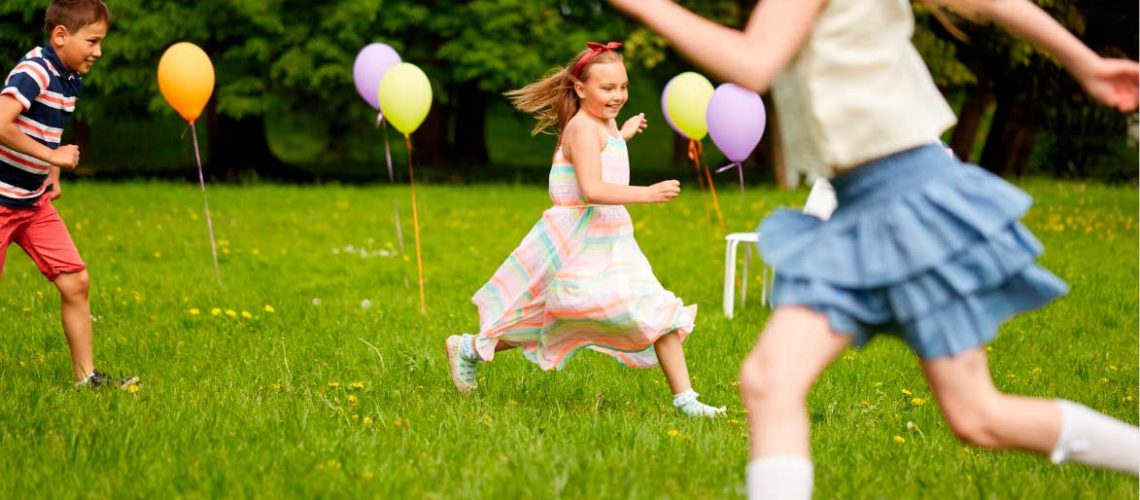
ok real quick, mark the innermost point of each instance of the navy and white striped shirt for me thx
(48, 91)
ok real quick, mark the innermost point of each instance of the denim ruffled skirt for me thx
(921, 246)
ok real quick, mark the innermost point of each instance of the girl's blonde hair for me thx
(552, 100)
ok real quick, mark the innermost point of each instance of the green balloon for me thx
(405, 97)
(688, 102)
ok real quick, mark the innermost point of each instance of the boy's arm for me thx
(751, 58)
(1113, 82)
(66, 156)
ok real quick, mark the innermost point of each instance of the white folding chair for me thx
(820, 203)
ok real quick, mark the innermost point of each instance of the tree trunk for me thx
(995, 150)
(470, 126)
(1011, 136)
(430, 142)
(969, 120)
(779, 160)
(237, 144)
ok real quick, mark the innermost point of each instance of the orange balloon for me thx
(186, 78)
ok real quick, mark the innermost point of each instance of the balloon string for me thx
(694, 155)
(739, 169)
(383, 124)
(416, 225)
(206, 201)
(696, 150)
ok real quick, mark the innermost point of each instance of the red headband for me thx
(595, 49)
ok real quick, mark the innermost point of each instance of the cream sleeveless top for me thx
(857, 90)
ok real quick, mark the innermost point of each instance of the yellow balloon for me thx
(186, 78)
(405, 96)
(688, 102)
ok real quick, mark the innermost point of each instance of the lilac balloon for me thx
(371, 64)
(736, 120)
(665, 109)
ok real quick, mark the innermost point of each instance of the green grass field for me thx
(311, 372)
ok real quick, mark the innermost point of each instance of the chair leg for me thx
(729, 278)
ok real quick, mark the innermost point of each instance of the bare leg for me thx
(795, 347)
(671, 356)
(76, 317)
(499, 346)
(978, 413)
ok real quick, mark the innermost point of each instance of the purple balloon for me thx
(736, 120)
(665, 109)
(371, 64)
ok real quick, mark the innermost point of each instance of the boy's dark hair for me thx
(75, 14)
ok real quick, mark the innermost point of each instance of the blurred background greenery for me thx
(285, 107)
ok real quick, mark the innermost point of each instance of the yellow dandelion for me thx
(133, 388)
(899, 439)
(356, 417)
(865, 404)
(194, 311)
(989, 349)
(674, 433)
(27, 309)
(231, 313)
(356, 385)
(246, 314)
(1128, 397)
(353, 400)
(918, 401)
(269, 309)
(276, 387)
(216, 311)
(334, 385)
(367, 421)
(906, 393)
(1112, 367)
(733, 421)
(1036, 370)
(158, 255)
(1103, 381)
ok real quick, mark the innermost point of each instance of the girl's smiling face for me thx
(605, 90)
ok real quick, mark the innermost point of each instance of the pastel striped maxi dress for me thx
(579, 280)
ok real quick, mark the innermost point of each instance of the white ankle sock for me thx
(466, 351)
(1095, 439)
(785, 477)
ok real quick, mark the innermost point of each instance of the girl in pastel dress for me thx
(921, 246)
(578, 279)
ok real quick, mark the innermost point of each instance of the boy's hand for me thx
(664, 191)
(1113, 82)
(54, 190)
(66, 156)
(634, 126)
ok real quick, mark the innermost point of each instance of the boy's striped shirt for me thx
(48, 91)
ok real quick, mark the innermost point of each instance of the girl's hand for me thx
(1113, 82)
(664, 191)
(634, 126)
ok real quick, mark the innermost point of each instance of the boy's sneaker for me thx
(99, 379)
(462, 369)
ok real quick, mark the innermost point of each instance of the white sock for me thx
(785, 477)
(1095, 439)
(688, 403)
(466, 351)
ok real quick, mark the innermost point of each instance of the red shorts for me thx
(42, 234)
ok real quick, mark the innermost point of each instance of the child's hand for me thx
(634, 126)
(66, 156)
(664, 191)
(1113, 82)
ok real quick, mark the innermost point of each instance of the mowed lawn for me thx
(310, 371)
